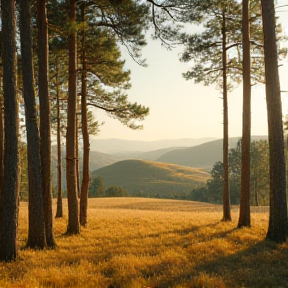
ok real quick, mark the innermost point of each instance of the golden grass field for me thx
(138, 242)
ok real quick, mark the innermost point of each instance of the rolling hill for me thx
(147, 178)
(204, 155)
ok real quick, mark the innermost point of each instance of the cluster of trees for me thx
(97, 189)
(259, 177)
(82, 57)
(223, 54)
(79, 48)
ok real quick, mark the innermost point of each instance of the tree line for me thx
(259, 177)
(69, 52)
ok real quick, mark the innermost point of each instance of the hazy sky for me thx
(180, 108)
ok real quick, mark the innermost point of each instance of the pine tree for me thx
(45, 121)
(244, 213)
(9, 196)
(36, 233)
(73, 222)
(100, 60)
(58, 63)
(277, 229)
(213, 64)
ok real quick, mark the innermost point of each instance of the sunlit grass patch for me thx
(134, 242)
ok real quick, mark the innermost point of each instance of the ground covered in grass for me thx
(135, 243)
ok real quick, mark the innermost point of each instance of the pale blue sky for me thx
(180, 108)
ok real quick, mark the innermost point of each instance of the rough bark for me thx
(36, 231)
(244, 214)
(226, 192)
(73, 222)
(277, 229)
(1, 142)
(85, 134)
(9, 197)
(59, 211)
(45, 129)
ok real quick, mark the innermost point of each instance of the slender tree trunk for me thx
(86, 145)
(277, 229)
(256, 193)
(244, 214)
(36, 233)
(9, 197)
(59, 211)
(73, 222)
(45, 129)
(77, 156)
(226, 192)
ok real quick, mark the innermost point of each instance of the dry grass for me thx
(135, 243)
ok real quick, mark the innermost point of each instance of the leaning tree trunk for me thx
(226, 192)
(45, 129)
(73, 222)
(244, 214)
(36, 232)
(86, 145)
(9, 197)
(277, 229)
(59, 211)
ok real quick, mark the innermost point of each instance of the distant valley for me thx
(162, 170)
(203, 155)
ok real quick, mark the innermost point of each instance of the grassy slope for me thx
(151, 177)
(136, 242)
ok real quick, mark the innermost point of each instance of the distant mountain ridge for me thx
(204, 155)
(112, 146)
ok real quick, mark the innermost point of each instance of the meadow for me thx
(141, 242)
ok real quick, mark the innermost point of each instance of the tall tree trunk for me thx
(9, 197)
(45, 129)
(277, 229)
(36, 232)
(1, 140)
(244, 216)
(226, 192)
(86, 145)
(73, 222)
(59, 211)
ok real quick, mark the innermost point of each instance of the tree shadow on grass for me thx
(263, 265)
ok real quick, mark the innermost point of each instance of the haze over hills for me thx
(147, 178)
(155, 154)
(112, 146)
(204, 155)
(98, 160)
